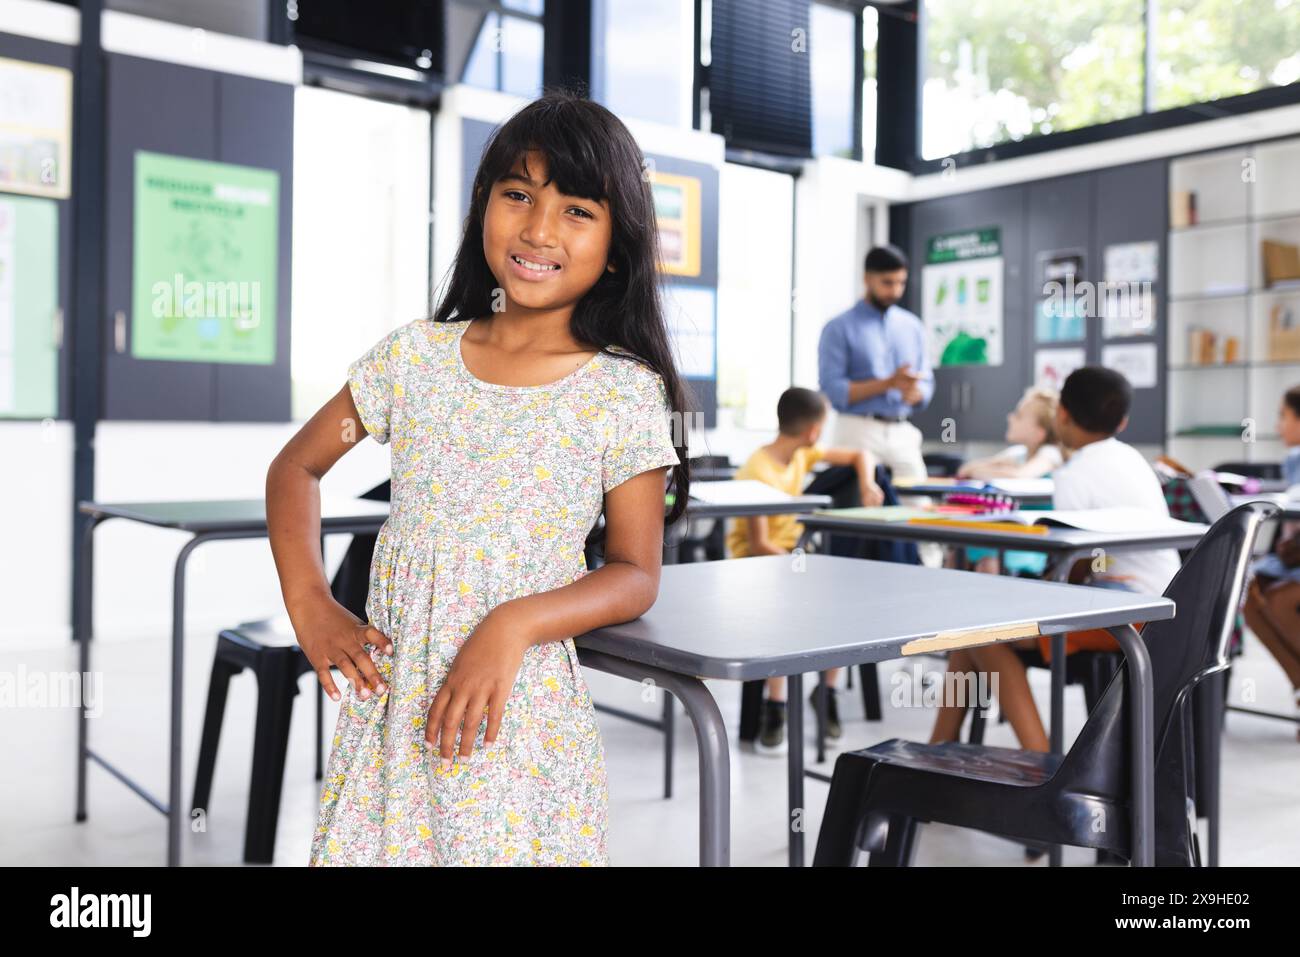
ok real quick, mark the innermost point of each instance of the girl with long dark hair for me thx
(540, 395)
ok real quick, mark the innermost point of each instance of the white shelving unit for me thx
(1244, 195)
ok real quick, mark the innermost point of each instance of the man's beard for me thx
(882, 306)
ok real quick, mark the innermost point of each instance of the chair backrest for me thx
(1210, 496)
(1185, 649)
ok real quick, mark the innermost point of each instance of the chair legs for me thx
(870, 690)
(842, 821)
(218, 687)
(277, 685)
(900, 843)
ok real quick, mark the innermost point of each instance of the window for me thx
(831, 36)
(870, 34)
(360, 243)
(998, 71)
(506, 50)
(1206, 49)
(641, 58)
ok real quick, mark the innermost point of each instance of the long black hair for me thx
(589, 153)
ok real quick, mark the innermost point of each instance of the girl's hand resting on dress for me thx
(329, 634)
(478, 684)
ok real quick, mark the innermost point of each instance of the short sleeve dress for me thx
(494, 490)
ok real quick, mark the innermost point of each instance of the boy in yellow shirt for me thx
(785, 463)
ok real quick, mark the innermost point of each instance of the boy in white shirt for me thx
(1102, 472)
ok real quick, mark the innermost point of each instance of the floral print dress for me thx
(494, 490)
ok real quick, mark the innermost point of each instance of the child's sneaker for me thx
(771, 735)
(833, 729)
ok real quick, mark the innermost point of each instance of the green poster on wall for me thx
(205, 261)
(29, 299)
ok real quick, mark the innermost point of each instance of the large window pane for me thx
(642, 56)
(870, 34)
(998, 70)
(1206, 49)
(360, 242)
(831, 63)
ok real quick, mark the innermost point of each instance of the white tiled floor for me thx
(1261, 773)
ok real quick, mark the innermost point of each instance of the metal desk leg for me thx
(798, 818)
(669, 734)
(711, 739)
(1142, 697)
(823, 691)
(175, 808)
(83, 626)
(1056, 729)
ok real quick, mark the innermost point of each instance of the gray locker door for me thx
(163, 108)
(1132, 206)
(978, 398)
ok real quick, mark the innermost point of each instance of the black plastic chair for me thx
(270, 651)
(879, 795)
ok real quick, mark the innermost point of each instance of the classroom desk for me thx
(205, 521)
(695, 509)
(770, 615)
(228, 520)
(1062, 546)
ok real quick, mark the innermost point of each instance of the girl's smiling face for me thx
(546, 249)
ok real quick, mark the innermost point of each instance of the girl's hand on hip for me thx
(478, 684)
(329, 634)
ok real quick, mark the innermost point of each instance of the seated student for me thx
(1272, 606)
(784, 463)
(1036, 452)
(1102, 472)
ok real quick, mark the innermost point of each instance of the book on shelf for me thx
(1182, 208)
(1283, 333)
(1281, 261)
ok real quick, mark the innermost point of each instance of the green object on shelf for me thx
(1211, 430)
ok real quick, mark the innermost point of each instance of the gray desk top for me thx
(233, 515)
(1057, 539)
(758, 617)
(249, 515)
(798, 505)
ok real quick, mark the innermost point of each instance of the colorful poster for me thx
(1057, 316)
(29, 302)
(961, 289)
(35, 129)
(1136, 362)
(678, 213)
(1051, 366)
(205, 261)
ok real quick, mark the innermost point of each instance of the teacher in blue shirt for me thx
(874, 368)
